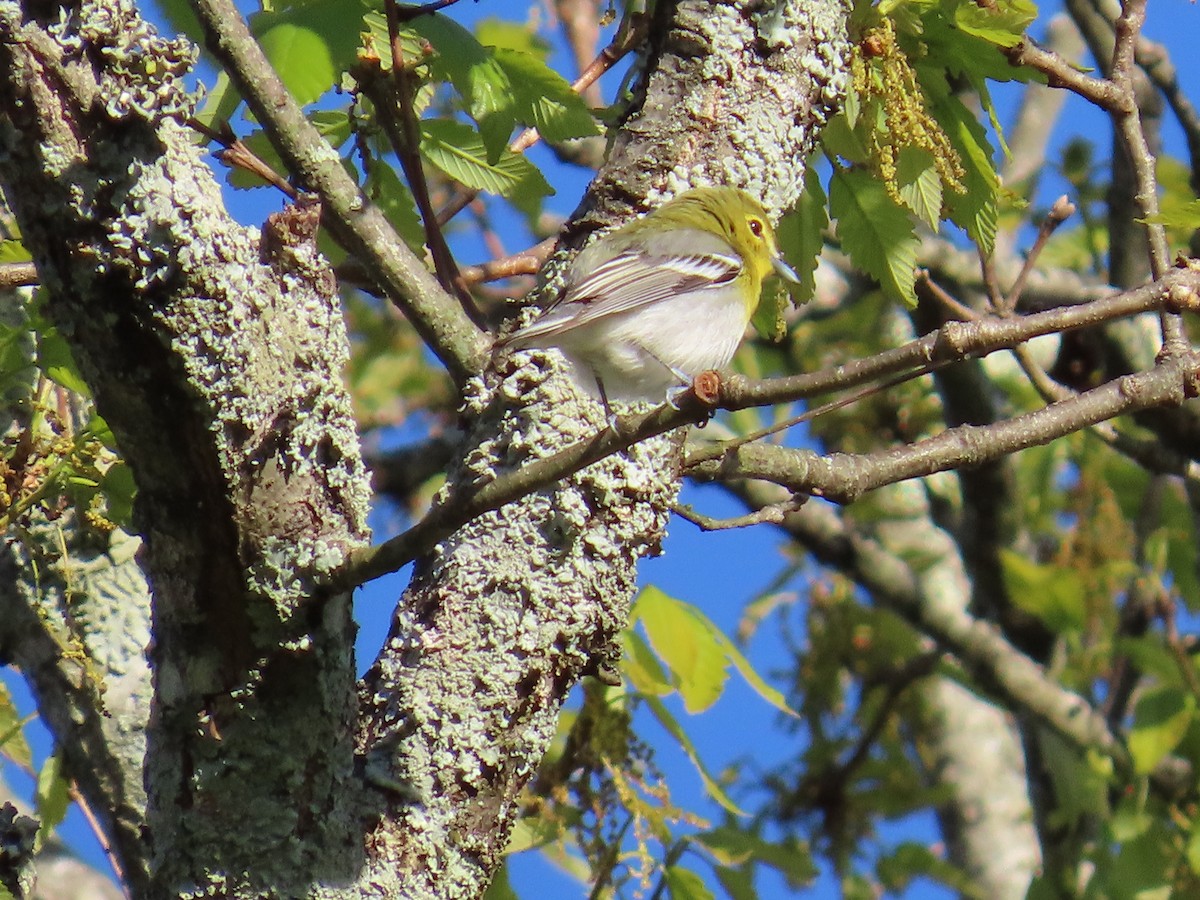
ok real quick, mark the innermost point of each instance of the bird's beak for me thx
(783, 270)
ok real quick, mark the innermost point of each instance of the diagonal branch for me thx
(361, 227)
(851, 476)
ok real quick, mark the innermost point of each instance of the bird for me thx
(647, 307)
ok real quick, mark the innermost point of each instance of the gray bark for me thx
(215, 353)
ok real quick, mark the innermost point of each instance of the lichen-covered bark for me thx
(215, 354)
(77, 626)
(216, 358)
(507, 614)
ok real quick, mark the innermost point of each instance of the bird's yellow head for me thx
(740, 220)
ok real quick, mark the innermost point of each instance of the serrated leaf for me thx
(875, 233)
(333, 125)
(1160, 721)
(482, 82)
(673, 728)
(919, 184)
(457, 150)
(51, 798)
(543, 98)
(13, 744)
(684, 884)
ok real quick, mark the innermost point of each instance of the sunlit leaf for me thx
(1160, 721)
(685, 641)
(1002, 23)
(457, 149)
(877, 235)
(919, 185)
(309, 45)
(486, 89)
(1055, 594)
(544, 99)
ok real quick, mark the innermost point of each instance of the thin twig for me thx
(1062, 210)
(1060, 73)
(951, 343)
(405, 136)
(775, 514)
(527, 262)
(237, 155)
(408, 13)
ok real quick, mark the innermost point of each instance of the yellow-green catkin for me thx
(897, 117)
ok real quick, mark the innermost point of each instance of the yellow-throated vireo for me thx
(649, 306)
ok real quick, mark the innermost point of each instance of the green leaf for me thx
(309, 44)
(500, 889)
(509, 35)
(532, 832)
(684, 884)
(1055, 594)
(920, 185)
(51, 798)
(1160, 721)
(641, 667)
(392, 196)
(974, 210)
(673, 728)
(13, 744)
(732, 846)
(877, 235)
(1184, 215)
(697, 652)
(457, 150)
(12, 251)
(684, 639)
(119, 488)
(482, 82)
(333, 125)
(544, 99)
(802, 235)
(1002, 23)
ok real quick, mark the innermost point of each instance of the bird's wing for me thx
(680, 262)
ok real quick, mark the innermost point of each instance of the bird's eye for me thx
(756, 227)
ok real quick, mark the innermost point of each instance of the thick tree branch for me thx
(843, 478)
